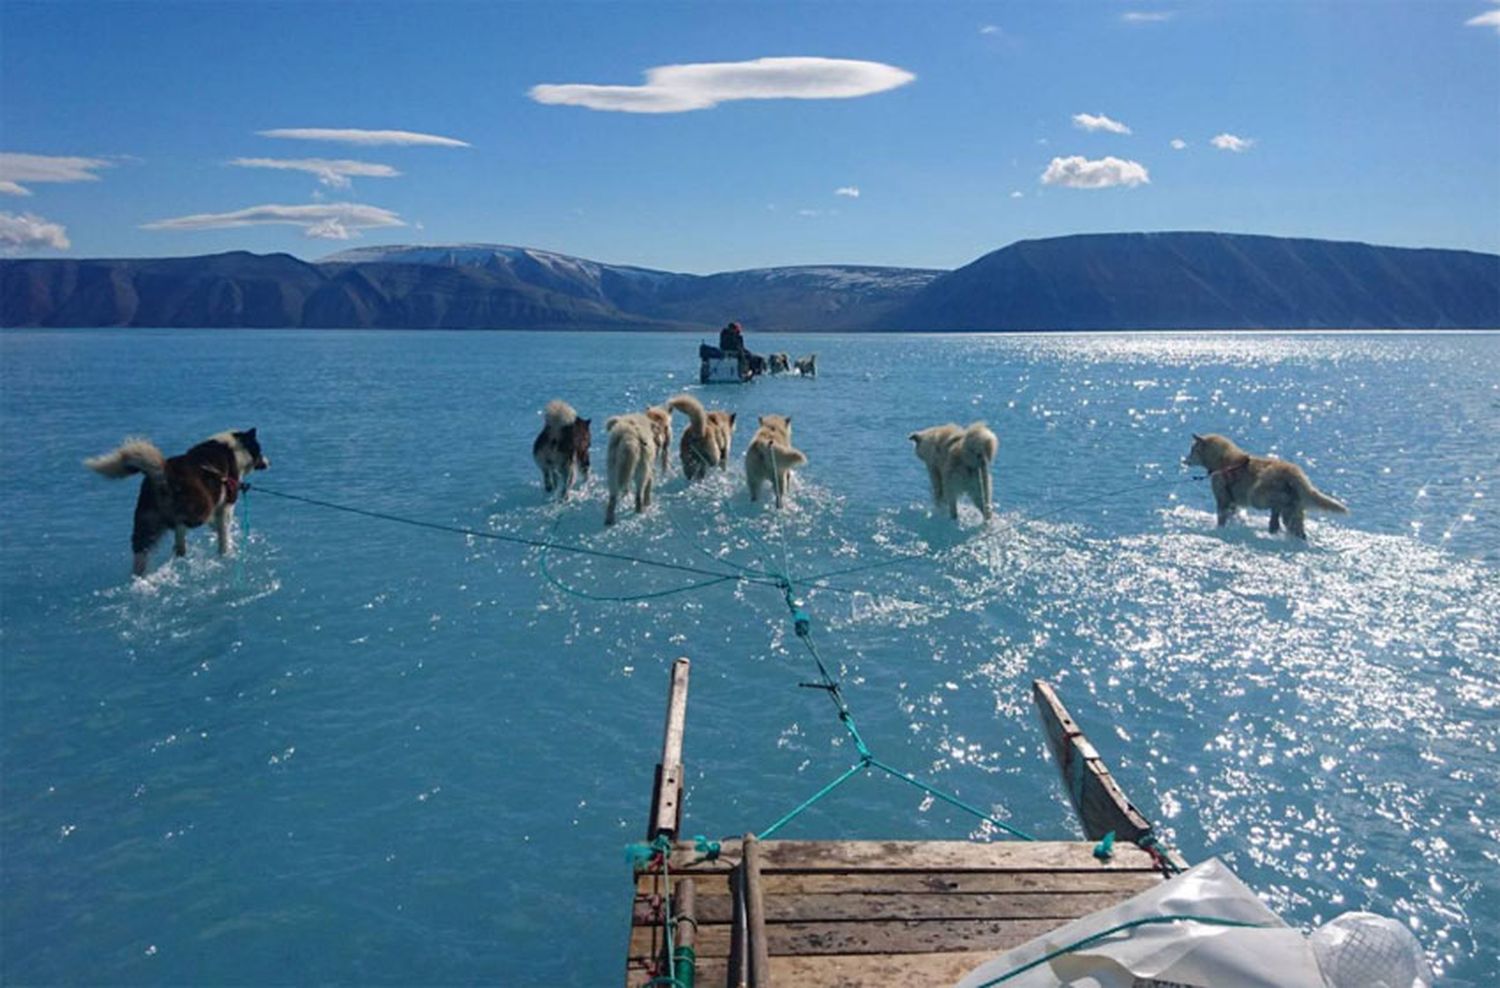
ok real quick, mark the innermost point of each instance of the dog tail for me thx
(692, 408)
(559, 415)
(786, 456)
(979, 446)
(134, 456)
(1315, 498)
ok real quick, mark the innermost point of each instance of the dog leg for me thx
(221, 526)
(179, 544)
(547, 484)
(609, 510)
(568, 477)
(138, 564)
(1275, 520)
(1296, 523)
(647, 485)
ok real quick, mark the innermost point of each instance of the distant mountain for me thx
(1207, 281)
(1096, 281)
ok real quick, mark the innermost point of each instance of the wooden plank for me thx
(1097, 798)
(738, 974)
(896, 855)
(880, 937)
(666, 799)
(1121, 883)
(860, 971)
(859, 906)
(755, 914)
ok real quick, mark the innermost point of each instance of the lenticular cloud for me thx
(330, 221)
(1078, 172)
(699, 86)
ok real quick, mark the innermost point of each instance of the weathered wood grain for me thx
(878, 937)
(860, 906)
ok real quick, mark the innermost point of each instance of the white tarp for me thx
(1272, 955)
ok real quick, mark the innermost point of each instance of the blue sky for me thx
(1358, 119)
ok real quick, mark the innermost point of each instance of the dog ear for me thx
(584, 422)
(251, 433)
(1197, 438)
(788, 420)
(732, 416)
(915, 437)
(759, 421)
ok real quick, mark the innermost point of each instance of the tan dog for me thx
(706, 440)
(958, 463)
(1242, 480)
(631, 460)
(184, 491)
(771, 458)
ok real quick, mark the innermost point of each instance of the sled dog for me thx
(705, 442)
(770, 457)
(1240, 480)
(631, 460)
(185, 491)
(958, 463)
(561, 449)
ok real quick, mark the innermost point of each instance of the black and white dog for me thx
(183, 492)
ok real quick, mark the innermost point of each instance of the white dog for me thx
(771, 458)
(958, 463)
(632, 459)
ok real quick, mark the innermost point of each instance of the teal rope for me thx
(623, 598)
(1095, 938)
(951, 800)
(500, 537)
(848, 774)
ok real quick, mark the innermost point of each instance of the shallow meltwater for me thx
(362, 751)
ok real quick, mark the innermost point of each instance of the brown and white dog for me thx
(706, 440)
(185, 491)
(631, 460)
(561, 449)
(771, 458)
(778, 363)
(1242, 480)
(958, 463)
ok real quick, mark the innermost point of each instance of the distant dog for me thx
(1242, 480)
(808, 366)
(631, 461)
(706, 440)
(770, 457)
(184, 491)
(958, 463)
(561, 449)
(779, 363)
(661, 426)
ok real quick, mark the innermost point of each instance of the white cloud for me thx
(1018, 194)
(1490, 18)
(809, 212)
(989, 29)
(1145, 16)
(849, 191)
(29, 232)
(1228, 142)
(326, 221)
(1078, 172)
(334, 173)
(405, 138)
(1178, 144)
(1090, 122)
(677, 88)
(18, 168)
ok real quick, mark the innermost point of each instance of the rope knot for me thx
(708, 848)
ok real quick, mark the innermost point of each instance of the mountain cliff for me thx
(1095, 281)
